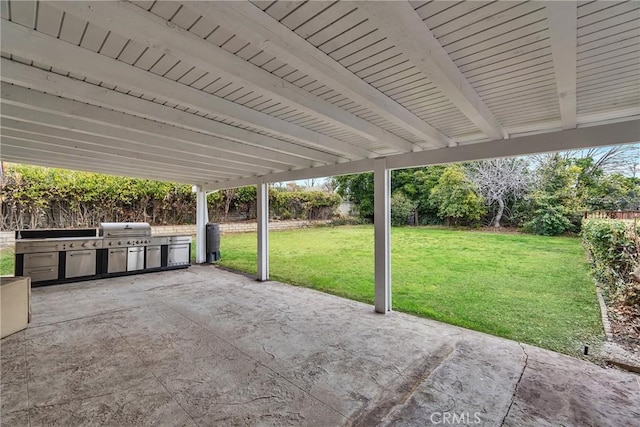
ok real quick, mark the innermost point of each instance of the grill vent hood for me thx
(125, 229)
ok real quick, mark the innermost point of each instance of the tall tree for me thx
(623, 159)
(415, 184)
(500, 180)
(357, 189)
(556, 205)
(456, 197)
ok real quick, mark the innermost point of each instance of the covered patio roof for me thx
(219, 93)
(227, 94)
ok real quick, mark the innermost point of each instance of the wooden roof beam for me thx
(37, 141)
(563, 29)
(626, 132)
(266, 33)
(14, 151)
(129, 20)
(66, 87)
(103, 122)
(402, 26)
(27, 43)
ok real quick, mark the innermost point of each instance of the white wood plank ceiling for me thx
(210, 92)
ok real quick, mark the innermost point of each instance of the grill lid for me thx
(125, 229)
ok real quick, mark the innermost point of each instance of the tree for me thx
(310, 183)
(229, 194)
(415, 184)
(456, 197)
(401, 208)
(614, 192)
(499, 180)
(622, 159)
(556, 205)
(359, 190)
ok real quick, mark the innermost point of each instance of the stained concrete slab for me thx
(208, 347)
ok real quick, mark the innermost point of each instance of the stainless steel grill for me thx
(124, 229)
(128, 234)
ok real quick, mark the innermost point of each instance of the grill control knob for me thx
(137, 242)
(119, 243)
(95, 243)
(71, 245)
(84, 244)
(128, 242)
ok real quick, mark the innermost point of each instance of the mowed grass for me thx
(528, 288)
(6, 262)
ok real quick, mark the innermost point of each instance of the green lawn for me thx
(6, 262)
(528, 288)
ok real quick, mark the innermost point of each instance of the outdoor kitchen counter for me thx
(60, 256)
(49, 239)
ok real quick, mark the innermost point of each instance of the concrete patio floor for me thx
(207, 347)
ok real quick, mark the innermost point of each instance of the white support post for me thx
(263, 230)
(382, 232)
(202, 218)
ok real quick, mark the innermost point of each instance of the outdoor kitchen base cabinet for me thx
(41, 274)
(80, 263)
(178, 255)
(40, 266)
(117, 260)
(115, 249)
(179, 252)
(153, 257)
(135, 259)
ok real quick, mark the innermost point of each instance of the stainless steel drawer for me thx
(80, 263)
(40, 274)
(44, 259)
(153, 256)
(28, 247)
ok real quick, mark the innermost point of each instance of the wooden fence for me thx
(613, 214)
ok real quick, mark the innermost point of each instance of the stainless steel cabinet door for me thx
(117, 261)
(178, 255)
(80, 263)
(153, 256)
(135, 259)
(44, 259)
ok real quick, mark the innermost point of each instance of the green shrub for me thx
(401, 208)
(348, 220)
(38, 197)
(549, 220)
(456, 198)
(613, 250)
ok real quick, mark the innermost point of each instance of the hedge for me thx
(38, 197)
(283, 204)
(613, 249)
